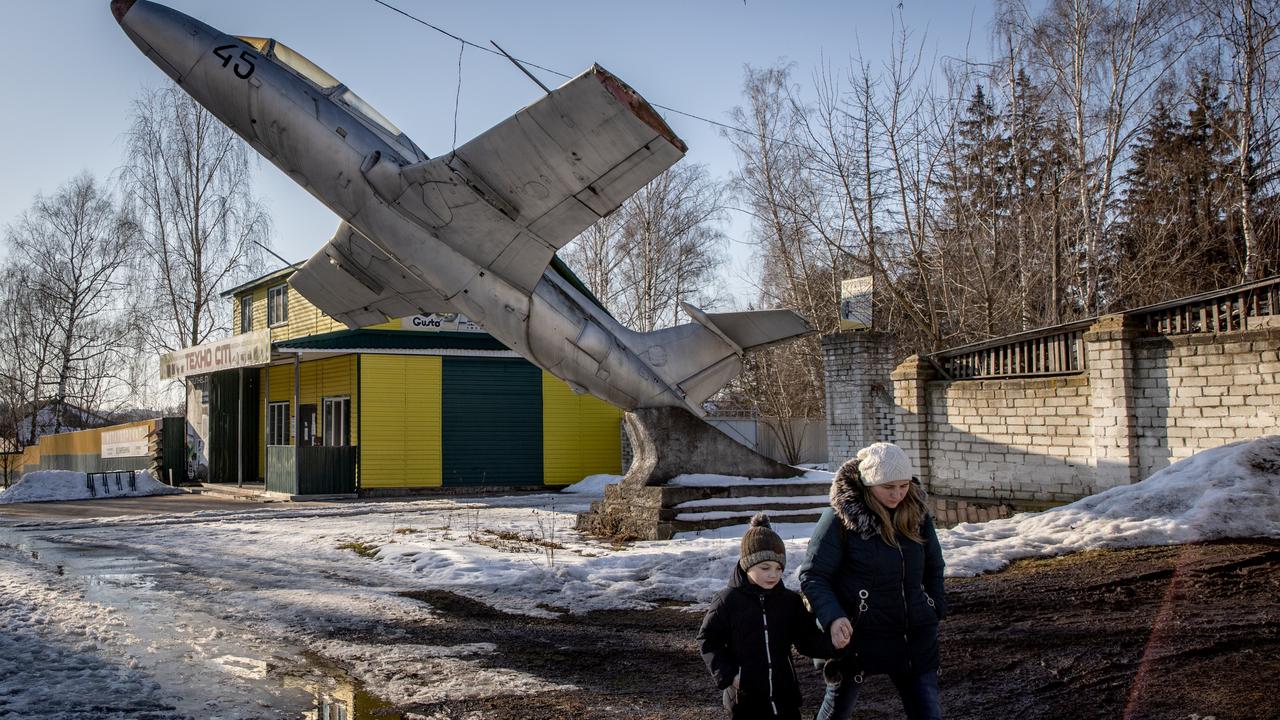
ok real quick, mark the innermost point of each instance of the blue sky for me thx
(73, 73)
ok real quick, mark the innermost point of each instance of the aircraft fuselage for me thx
(351, 162)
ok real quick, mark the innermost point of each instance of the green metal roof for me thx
(563, 270)
(283, 272)
(374, 340)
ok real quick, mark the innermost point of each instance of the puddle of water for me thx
(337, 697)
(194, 655)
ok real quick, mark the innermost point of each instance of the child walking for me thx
(750, 628)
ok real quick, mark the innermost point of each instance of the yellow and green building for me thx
(297, 400)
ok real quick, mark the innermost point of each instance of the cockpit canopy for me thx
(328, 84)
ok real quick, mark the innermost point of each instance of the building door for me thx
(233, 426)
(492, 422)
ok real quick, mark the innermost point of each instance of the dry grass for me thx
(363, 549)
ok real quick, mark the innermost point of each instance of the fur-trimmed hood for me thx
(849, 507)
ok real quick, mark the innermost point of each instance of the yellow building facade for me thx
(420, 402)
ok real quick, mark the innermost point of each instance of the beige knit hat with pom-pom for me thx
(760, 544)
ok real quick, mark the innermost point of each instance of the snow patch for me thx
(800, 532)
(820, 501)
(53, 485)
(1229, 491)
(592, 485)
(810, 477)
(728, 514)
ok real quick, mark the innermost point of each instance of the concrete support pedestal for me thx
(667, 442)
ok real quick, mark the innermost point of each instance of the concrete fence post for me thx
(856, 368)
(1109, 351)
(910, 393)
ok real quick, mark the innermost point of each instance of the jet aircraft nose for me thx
(119, 8)
(173, 41)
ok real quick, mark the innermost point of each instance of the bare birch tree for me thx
(852, 181)
(797, 268)
(73, 248)
(190, 181)
(1103, 59)
(25, 355)
(1248, 32)
(662, 247)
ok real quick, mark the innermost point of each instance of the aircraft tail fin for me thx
(711, 347)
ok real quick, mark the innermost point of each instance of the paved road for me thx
(113, 507)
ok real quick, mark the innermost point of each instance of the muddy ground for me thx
(1189, 632)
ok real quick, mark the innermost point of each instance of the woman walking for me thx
(873, 576)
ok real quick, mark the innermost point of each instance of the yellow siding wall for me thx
(30, 458)
(317, 379)
(304, 318)
(580, 434)
(400, 421)
(83, 442)
(79, 442)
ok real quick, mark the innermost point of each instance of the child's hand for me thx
(841, 633)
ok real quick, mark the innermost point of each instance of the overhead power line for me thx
(557, 73)
(465, 41)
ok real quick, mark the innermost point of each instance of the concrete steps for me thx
(736, 504)
(249, 491)
(694, 503)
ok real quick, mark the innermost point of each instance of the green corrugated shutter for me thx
(492, 425)
(224, 393)
(227, 433)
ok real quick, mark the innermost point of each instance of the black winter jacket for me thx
(750, 630)
(892, 595)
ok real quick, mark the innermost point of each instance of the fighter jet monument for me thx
(475, 231)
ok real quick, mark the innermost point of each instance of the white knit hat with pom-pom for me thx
(882, 463)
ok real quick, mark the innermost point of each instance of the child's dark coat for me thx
(733, 639)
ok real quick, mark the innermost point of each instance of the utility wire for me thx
(491, 51)
(457, 96)
(465, 41)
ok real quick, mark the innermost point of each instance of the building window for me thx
(277, 305)
(337, 421)
(334, 710)
(246, 313)
(278, 423)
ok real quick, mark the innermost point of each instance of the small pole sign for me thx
(855, 303)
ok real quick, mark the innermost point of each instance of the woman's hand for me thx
(841, 633)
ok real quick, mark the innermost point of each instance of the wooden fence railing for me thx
(1224, 310)
(1059, 350)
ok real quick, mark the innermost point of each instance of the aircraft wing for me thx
(511, 197)
(353, 281)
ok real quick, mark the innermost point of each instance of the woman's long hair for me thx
(904, 520)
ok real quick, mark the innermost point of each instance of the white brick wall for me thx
(1009, 439)
(1202, 391)
(1144, 403)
